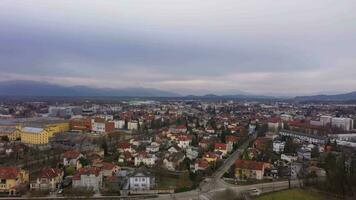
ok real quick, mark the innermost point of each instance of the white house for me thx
(278, 146)
(71, 158)
(141, 180)
(192, 153)
(119, 124)
(145, 159)
(153, 147)
(132, 125)
(89, 177)
(289, 158)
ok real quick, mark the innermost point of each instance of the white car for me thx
(254, 192)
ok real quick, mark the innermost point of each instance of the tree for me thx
(69, 171)
(104, 145)
(315, 152)
(261, 130)
(290, 146)
(84, 162)
(5, 138)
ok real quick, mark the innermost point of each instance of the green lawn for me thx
(295, 194)
(169, 182)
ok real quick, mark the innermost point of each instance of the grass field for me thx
(295, 194)
(169, 182)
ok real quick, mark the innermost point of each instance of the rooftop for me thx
(32, 130)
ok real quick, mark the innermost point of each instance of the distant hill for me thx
(236, 96)
(33, 88)
(337, 97)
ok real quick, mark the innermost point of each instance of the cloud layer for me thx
(190, 47)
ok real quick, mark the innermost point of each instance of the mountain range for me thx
(35, 88)
(351, 96)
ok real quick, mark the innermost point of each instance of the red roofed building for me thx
(99, 125)
(210, 157)
(11, 179)
(184, 141)
(83, 124)
(109, 169)
(49, 179)
(247, 169)
(200, 164)
(221, 147)
(88, 177)
(275, 123)
(230, 141)
(71, 158)
(179, 129)
(124, 146)
(262, 143)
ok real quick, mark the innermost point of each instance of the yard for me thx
(295, 194)
(173, 182)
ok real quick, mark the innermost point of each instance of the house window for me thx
(143, 179)
(2, 181)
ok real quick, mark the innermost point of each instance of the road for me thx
(215, 188)
(214, 183)
(212, 187)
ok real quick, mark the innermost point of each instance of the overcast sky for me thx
(286, 47)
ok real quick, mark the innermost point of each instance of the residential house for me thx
(200, 165)
(173, 161)
(278, 146)
(289, 158)
(231, 140)
(72, 158)
(109, 169)
(174, 149)
(12, 179)
(247, 169)
(124, 146)
(89, 178)
(220, 147)
(192, 153)
(145, 158)
(48, 179)
(184, 141)
(141, 180)
(153, 147)
(210, 157)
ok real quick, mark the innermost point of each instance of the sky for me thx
(276, 47)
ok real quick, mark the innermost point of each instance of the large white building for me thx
(132, 125)
(346, 124)
(141, 180)
(325, 120)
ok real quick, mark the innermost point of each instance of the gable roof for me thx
(9, 172)
(50, 173)
(71, 154)
(249, 164)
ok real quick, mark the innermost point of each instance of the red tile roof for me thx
(50, 173)
(248, 164)
(202, 163)
(124, 145)
(86, 171)
(71, 154)
(210, 155)
(181, 127)
(220, 146)
(9, 172)
(99, 120)
(231, 138)
(108, 166)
